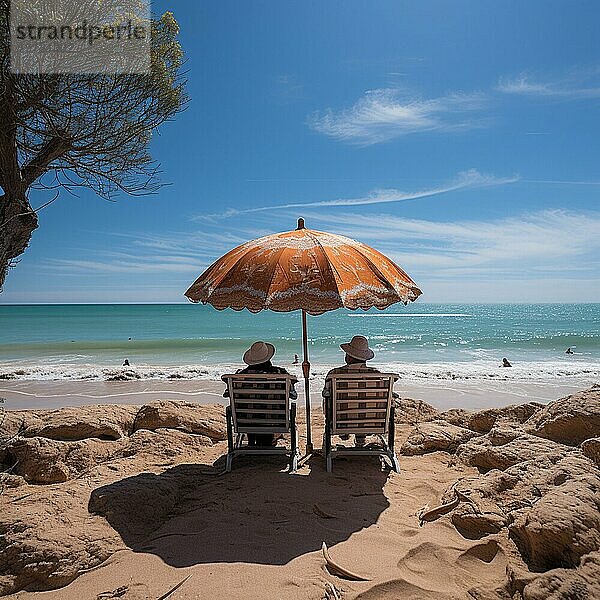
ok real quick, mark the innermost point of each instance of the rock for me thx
(551, 504)
(591, 449)
(475, 521)
(14, 423)
(518, 576)
(205, 419)
(17, 421)
(456, 416)
(411, 411)
(39, 460)
(504, 432)
(103, 421)
(569, 420)
(44, 461)
(434, 436)
(483, 454)
(561, 527)
(484, 420)
(582, 583)
(166, 443)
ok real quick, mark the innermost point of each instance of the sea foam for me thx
(483, 370)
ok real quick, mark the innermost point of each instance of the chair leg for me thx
(392, 440)
(392, 428)
(327, 438)
(294, 439)
(230, 446)
(394, 461)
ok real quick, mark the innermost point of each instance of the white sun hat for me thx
(358, 348)
(258, 353)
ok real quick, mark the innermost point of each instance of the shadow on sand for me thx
(255, 514)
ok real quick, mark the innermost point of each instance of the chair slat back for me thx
(361, 403)
(260, 403)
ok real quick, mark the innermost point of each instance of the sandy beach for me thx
(124, 501)
(445, 394)
(378, 217)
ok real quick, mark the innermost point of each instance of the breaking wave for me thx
(483, 370)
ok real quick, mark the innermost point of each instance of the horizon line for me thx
(355, 310)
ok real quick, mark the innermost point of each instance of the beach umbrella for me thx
(306, 270)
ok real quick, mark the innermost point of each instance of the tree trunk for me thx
(17, 223)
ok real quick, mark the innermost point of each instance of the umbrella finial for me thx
(300, 223)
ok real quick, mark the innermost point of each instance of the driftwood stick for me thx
(174, 588)
(338, 570)
(438, 511)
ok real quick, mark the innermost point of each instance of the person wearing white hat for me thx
(258, 358)
(357, 354)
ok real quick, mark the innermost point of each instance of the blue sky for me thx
(460, 138)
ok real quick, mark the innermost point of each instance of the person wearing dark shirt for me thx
(357, 353)
(258, 358)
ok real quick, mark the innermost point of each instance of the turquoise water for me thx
(189, 341)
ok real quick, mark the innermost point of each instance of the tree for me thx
(61, 132)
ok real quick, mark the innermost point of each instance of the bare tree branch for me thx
(62, 132)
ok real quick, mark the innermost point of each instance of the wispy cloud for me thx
(542, 242)
(464, 180)
(553, 242)
(171, 253)
(551, 255)
(127, 264)
(562, 181)
(383, 114)
(569, 88)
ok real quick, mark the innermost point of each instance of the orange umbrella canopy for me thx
(303, 269)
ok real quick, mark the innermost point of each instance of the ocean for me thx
(185, 341)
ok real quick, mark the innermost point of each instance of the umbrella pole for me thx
(306, 373)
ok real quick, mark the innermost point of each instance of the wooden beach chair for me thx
(361, 403)
(260, 404)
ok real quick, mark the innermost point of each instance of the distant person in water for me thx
(126, 363)
(569, 351)
(258, 358)
(505, 363)
(295, 359)
(357, 354)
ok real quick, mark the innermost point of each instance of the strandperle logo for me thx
(79, 36)
(87, 32)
